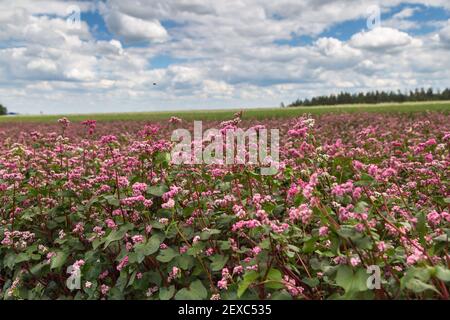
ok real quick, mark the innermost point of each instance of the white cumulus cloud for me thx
(380, 38)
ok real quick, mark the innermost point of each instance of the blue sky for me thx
(213, 54)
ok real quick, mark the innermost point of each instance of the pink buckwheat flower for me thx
(169, 204)
(104, 289)
(111, 224)
(122, 263)
(323, 231)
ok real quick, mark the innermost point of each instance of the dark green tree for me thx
(3, 110)
(373, 97)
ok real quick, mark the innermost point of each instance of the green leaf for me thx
(116, 294)
(199, 289)
(166, 293)
(38, 267)
(122, 281)
(249, 278)
(147, 248)
(224, 245)
(364, 243)
(265, 245)
(69, 193)
(185, 262)
(347, 232)
(167, 255)
(10, 260)
(443, 273)
(205, 235)
(116, 235)
(366, 180)
(418, 286)
(312, 282)
(112, 200)
(218, 262)
(157, 191)
(58, 260)
(351, 281)
(21, 257)
(415, 279)
(162, 158)
(196, 249)
(196, 291)
(281, 295)
(361, 207)
(308, 247)
(275, 276)
(97, 243)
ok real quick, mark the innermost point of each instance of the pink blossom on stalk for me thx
(256, 250)
(111, 224)
(148, 203)
(381, 246)
(434, 218)
(225, 273)
(169, 204)
(354, 261)
(50, 255)
(175, 273)
(139, 188)
(164, 221)
(222, 284)
(122, 263)
(238, 270)
(303, 212)
(291, 286)
(103, 275)
(79, 228)
(64, 122)
(123, 182)
(196, 239)
(184, 249)
(250, 224)
(104, 289)
(323, 231)
(90, 125)
(99, 231)
(148, 229)
(78, 263)
(416, 256)
(252, 268)
(175, 120)
(137, 239)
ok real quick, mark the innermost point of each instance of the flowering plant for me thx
(352, 191)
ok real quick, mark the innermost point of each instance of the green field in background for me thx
(262, 113)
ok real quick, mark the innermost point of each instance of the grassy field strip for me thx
(261, 113)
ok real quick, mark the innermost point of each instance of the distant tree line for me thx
(3, 110)
(373, 97)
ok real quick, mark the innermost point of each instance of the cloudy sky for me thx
(213, 53)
